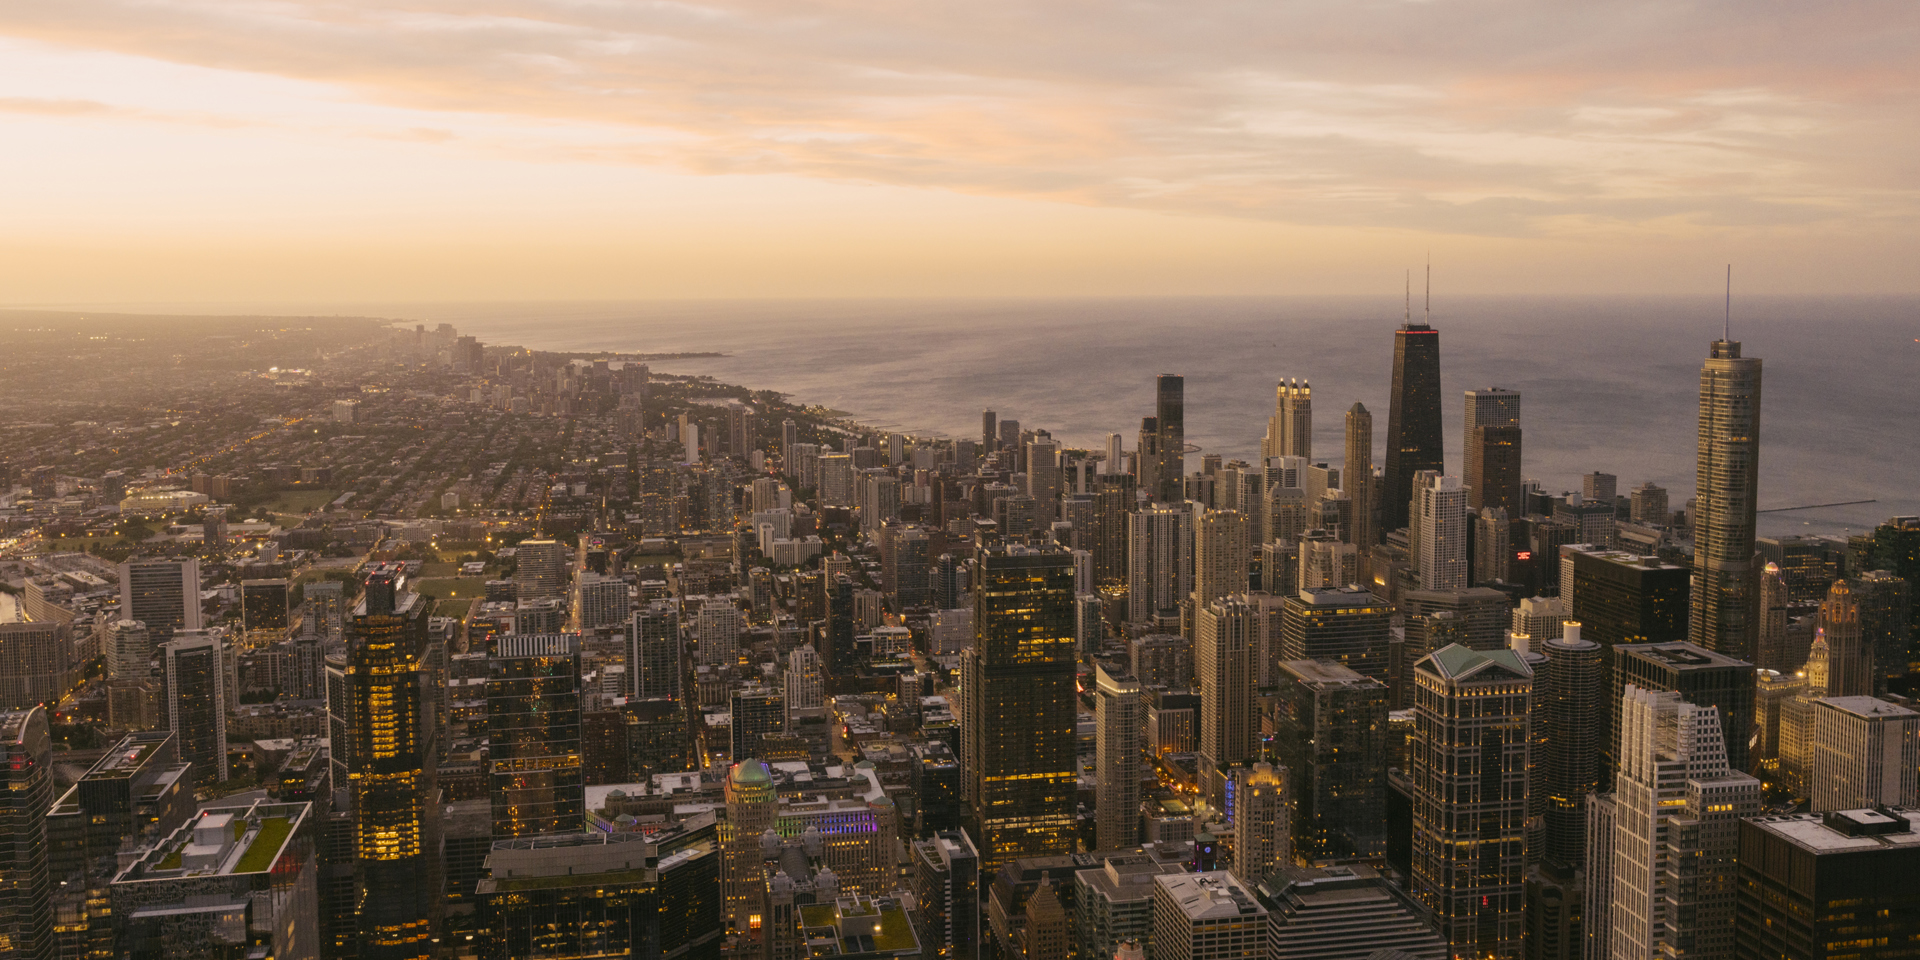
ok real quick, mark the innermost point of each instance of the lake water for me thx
(1609, 384)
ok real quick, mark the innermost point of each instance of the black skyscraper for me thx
(1169, 410)
(1413, 418)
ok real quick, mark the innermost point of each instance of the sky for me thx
(312, 151)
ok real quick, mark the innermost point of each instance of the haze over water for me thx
(1609, 384)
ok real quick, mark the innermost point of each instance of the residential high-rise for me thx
(26, 886)
(1017, 682)
(36, 653)
(1262, 822)
(1443, 534)
(946, 888)
(163, 593)
(1207, 916)
(129, 650)
(989, 431)
(654, 656)
(1290, 429)
(1220, 555)
(1413, 419)
(1469, 791)
(717, 631)
(540, 568)
(196, 675)
(1849, 656)
(1113, 505)
(533, 727)
(1357, 478)
(1160, 561)
(1224, 638)
(1491, 460)
(1724, 616)
(1866, 753)
(1836, 886)
(1169, 411)
(1347, 626)
(1675, 809)
(1567, 703)
(1599, 486)
(391, 750)
(1330, 735)
(1648, 505)
(1119, 715)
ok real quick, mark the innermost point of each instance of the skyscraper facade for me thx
(1469, 779)
(1413, 419)
(392, 770)
(1220, 555)
(654, 652)
(1866, 753)
(533, 725)
(1357, 478)
(1261, 822)
(1724, 616)
(26, 887)
(1443, 534)
(1169, 410)
(1676, 808)
(163, 593)
(197, 700)
(1491, 460)
(1225, 636)
(1330, 736)
(1568, 703)
(1290, 429)
(1160, 561)
(1850, 670)
(1119, 713)
(1018, 687)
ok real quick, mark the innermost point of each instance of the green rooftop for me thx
(266, 845)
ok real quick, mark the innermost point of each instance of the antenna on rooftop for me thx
(1408, 319)
(1726, 320)
(1427, 316)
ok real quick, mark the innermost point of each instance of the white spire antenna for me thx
(1427, 316)
(1726, 320)
(1408, 319)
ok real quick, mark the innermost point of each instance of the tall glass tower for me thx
(1726, 569)
(1018, 680)
(533, 725)
(392, 771)
(1169, 411)
(1413, 419)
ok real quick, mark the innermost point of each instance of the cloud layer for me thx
(1490, 117)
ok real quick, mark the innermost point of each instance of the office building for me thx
(1225, 636)
(651, 894)
(1290, 429)
(1866, 753)
(1119, 713)
(757, 713)
(1113, 903)
(235, 881)
(1723, 616)
(1017, 682)
(1675, 812)
(946, 889)
(390, 745)
(1413, 419)
(1490, 450)
(162, 593)
(1540, 618)
(1567, 699)
(1850, 670)
(265, 613)
(1647, 504)
(654, 656)
(1701, 677)
(1207, 916)
(1330, 735)
(1443, 534)
(1347, 626)
(1885, 601)
(196, 672)
(1346, 912)
(1220, 555)
(1160, 562)
(1469, 789)
(1835, 886)
(1169, 413)
(717, 631)
(600, 601)
(26, 886)
(129, 650)
(1262, 821)
(1357, 479)
(535, 781)
(1622, 598)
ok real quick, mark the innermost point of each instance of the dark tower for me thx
(1413, 419)
(1169, 410)
(1575, 692)
(26, 891)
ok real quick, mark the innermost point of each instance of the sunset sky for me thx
(310, 151)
